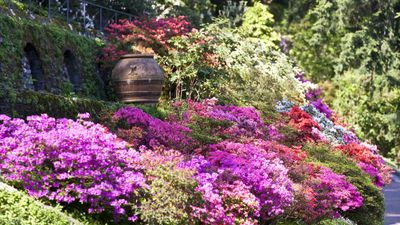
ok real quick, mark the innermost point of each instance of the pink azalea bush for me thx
(70, 161)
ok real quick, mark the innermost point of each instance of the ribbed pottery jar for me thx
(138, 78)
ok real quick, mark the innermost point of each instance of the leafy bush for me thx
(258, 23)
(197, 11)
(191, 67)
(17, 208)
(143, 36)
(257, 75)
(171, 190)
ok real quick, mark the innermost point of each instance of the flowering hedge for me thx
(249, 174)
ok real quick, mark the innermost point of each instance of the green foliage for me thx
(169, 196)
(34, 103)
(17, 208)
(219, 62)
(197, 11)
(330, 37)
(340, 221)
(233, 11)
(373, 106)
(373, 208)
(258, 23)
(257, 75)
(189, 73)
(157, 111)
(202, 128)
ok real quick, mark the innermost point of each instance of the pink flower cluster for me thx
(70, 161)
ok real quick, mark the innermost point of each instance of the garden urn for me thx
(137, 78)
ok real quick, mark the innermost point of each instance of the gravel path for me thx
(392, 201)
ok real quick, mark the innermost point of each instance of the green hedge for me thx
(27, 103)
(19, 209)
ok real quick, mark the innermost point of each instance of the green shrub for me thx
(169, 196)
(203, 130)
(340, 221)
(16, 208)
(27, 103)
(258, 23)
(219, 62)
(257, 75)
(373, 208)
(157, 111)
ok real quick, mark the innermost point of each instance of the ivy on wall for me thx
(51, 42)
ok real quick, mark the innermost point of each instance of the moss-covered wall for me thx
(50, 41)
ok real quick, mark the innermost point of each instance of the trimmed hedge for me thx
(17, 208)
(27, 103)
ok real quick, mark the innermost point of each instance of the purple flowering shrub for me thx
(70, 161)
(262, 171)
(322, 107)
(373, 172)
(334, 193)
(241, 123)
(155, 131)
(225, 202)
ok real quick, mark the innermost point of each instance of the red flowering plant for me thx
(143, 36)
(296, 127)
(369, 161)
